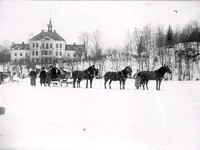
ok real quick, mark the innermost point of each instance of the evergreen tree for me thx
(169, 37)
(140, 47)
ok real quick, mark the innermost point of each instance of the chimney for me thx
(74, 43)
(54, 30)
(42, 30)
(22, 43)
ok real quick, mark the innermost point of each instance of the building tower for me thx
(50, 26)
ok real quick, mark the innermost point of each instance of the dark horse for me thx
(157, 75)
(87, 74)
(120, 76)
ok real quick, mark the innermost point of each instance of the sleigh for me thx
(58, 80)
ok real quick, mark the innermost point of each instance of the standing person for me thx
(1, 78)
(48, 76)
(33, 75)
(42, 76)
(54, 72)
(137, 80)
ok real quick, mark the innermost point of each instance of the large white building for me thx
(46, 47)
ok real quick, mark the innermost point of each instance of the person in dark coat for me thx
(54, 72)
(1, 78)
(42, 76)
(33, 76)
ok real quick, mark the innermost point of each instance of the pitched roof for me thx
(52, 35)
(75, 47)
(20, 46)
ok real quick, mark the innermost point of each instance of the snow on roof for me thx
(54, 35)
(75, 47)
(20, 46)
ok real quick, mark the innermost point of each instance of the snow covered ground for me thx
(99, 119)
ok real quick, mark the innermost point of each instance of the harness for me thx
(119, 74)
(88, 73)
(157, 72)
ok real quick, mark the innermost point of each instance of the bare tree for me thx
(5, 53)
(115, 57)
(129, 43)
(96, 44)
(85, 38)
(160, 43)
(148, 44)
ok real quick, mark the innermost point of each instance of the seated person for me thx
(55, 72)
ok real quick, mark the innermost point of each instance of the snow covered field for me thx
(99, 119)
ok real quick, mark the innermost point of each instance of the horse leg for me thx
(74, 82)
(86, 83)
(159, 84)
(91, 82)
(143, 84)
(156, 84)
(120, 83)
(106, 80)
(79, 83)
(124, 81)
(110, 84)
(147, 85)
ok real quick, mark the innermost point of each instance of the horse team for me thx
(120, 76)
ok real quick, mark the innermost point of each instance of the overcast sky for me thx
(112, 18)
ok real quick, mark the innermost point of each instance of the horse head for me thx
(128, 70)
(96, 72)
(92, 69)
(167, 69)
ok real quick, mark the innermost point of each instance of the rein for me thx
(88, 72)
(158, 72)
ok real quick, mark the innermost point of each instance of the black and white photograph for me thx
(99, 75)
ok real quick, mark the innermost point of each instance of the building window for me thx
(60, 53)
(51, 45)
(60, 45)
(20, 54)
(56, 45)
(74, 55)
(36, 53)
(33, 45)
(42, 45)
(15, 54)
(36, 45)
(15, 60)
(57, 53)
(42, 52)
(47, 45)
(68, 55)
(33, 53)
(26, 54)
(50, 52)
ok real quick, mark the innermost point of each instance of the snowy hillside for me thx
(99, 119)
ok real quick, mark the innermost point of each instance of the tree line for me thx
(147, 47)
